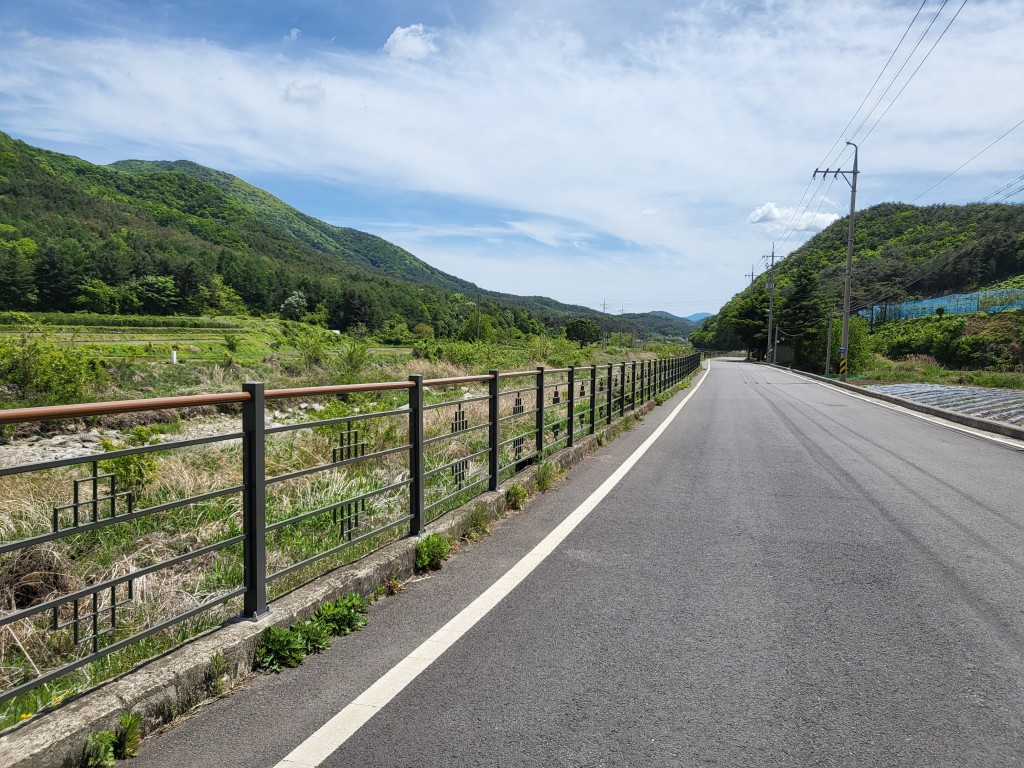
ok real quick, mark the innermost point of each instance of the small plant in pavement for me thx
(515, 496)
(280, 648)
(431, 551)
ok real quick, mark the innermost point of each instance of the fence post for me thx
(593, 398)
(494, 435)
(632, 397)
(540, 412)
(254, 502)
(611, 394)
(622, 389)
(571, 406)
(416, 525)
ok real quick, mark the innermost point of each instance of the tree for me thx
(803, 316)
(582, 329)
(294, 307)
(94, 295)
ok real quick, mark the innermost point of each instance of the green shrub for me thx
(431, 551)
(280, 648)
(515, 496)
(37, 371)
(131, 473)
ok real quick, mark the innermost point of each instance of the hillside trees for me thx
(583, 330)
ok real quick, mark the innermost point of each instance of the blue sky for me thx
(641, 154)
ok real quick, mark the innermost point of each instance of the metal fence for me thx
(991, 302)
(125, 553)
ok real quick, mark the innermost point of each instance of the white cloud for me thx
(293, 35)
(778, 219)
(565, 131)
(412, 42)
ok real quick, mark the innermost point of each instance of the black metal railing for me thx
(164, 539)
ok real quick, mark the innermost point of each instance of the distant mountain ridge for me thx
(694, 318)
(134, 222)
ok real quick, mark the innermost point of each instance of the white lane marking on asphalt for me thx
(336, 731)
(936, 420)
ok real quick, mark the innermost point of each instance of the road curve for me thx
(790, 576)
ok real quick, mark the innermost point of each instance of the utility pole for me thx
(750, 274)
(771, 306)
(852, 181)
(828, 346)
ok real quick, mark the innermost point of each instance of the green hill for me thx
(901, 252)
(175, 237)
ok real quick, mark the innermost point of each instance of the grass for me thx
(922, 369)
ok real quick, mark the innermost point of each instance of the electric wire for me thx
(801, 210)
(1002, 189)
(900, 70)
(934, 264)
(916, 70)
(877, 79)
(968, 162)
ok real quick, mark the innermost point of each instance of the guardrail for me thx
(134, 549)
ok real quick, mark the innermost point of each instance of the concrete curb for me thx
(985, 425)
(171, 685)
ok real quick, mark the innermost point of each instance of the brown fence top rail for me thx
(52, 412)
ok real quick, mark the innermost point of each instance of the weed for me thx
(346, 614)
(477, 523)
(547, 474)
(431, 551)
(515, 496)
(217, 674)
(99, 749)
(129, 736)
(316, 636)
(279, 648)
(393, 586)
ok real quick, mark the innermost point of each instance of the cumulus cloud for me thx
(778, 219)
(313, 93)
(412, 42)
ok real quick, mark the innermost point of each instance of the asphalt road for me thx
(789, 577)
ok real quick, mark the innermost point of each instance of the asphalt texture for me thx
(789, 577)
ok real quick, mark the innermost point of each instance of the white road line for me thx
(336, 731)
(937, 420)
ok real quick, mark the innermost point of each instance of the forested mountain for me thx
(901, 252)
(175, 237)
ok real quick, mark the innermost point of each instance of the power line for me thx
(921, 64)
(968, 162)
(903, 66)
(801, 209)
(1002, 189)
(877, 79)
